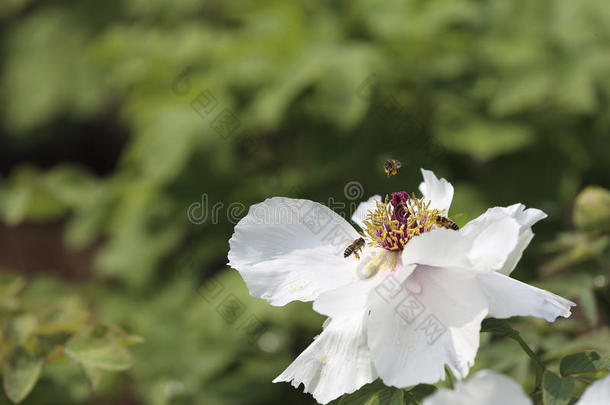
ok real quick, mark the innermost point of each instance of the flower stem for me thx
(501, 327)
(540, 367)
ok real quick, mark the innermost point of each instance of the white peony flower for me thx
(489, 388)
(412, 303)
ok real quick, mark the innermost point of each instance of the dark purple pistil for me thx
(399, 201)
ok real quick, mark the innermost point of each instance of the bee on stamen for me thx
(391, 166)
(447, 223)
(354, 247)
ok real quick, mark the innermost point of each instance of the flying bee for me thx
(391, 166)
(354, 247)
(447, 223)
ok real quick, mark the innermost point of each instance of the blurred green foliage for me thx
(46, 329)
(117, 118)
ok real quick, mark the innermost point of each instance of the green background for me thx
(119, 117)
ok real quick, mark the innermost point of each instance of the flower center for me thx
(395, 222)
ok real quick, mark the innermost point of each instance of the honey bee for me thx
(391, 166)
(354, 247)
(447, 223)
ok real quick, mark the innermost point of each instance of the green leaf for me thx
(498, 327)
(99, 348)
(556, 390)
(48, 343)
(472, 138)
(10, 286)
(421, 391)
(22, 327)
(397, 398)
(113, 358)
(374, 400)
(21, 373)
(374, 393)
(583, 362)
(92, 375)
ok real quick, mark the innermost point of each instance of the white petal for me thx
(485, 251)
(440, 247)
(336, 363)
(483, 388)
(431, 319)
(439, 192)
(353, 299)
(287, 249)
(509, 297)
(348, 301)
(493, 245)
(598, 393)
(525, 218)
(346, 364)
(362, 211)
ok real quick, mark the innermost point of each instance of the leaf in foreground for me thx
(21, 373)
(99, 348)
(556, 390)
(372, 394)
(582, 363)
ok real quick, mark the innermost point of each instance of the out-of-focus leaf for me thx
(99, 348)
(37, 44)
(574, 248)
(93, 376)
(521, 91)
(597, 340)
(47, 344)
(22, 327)
(485, 140)
(10, 285)
(20, 374)
(67, 315)
(577, 90)
(582, 363)
(27, 198)
(142, 233)
(556, 390)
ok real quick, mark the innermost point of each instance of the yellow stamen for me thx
(392, 234)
